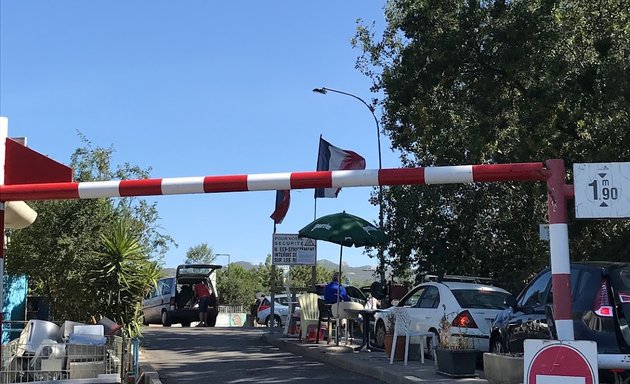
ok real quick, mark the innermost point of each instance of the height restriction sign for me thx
(602, 190)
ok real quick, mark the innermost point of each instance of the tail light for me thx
(464, 320)
(602, 306)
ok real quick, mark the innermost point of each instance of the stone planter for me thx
(456, 362)
(503, 368)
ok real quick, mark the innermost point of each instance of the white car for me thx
(281, 312)
(469, 307)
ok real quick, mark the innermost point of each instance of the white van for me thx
(172, 301)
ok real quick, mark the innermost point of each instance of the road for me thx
(231, 355)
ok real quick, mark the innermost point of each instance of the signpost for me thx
(289, 249)
(560, 362)
(602, 190)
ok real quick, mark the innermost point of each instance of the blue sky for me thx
(198, 88)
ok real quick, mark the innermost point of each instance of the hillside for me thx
(358, 275)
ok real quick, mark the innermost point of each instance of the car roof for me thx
(469, 286)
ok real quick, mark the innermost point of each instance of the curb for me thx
(147, 374)
(334, 356)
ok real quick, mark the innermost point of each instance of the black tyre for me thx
(275, 322)
(166, 321)
(496, 345)
(431, 345)
(144, 321)
(379, 336)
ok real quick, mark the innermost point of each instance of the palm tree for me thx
(122, 276)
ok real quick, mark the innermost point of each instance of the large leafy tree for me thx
(58, 252)
(468, 82)
(200, 254)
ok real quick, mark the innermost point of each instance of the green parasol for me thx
(346, 230)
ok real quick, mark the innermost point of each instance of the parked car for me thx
(469, 306)
(356, 294)
(600, 305)
(172, 300)
(281, 311)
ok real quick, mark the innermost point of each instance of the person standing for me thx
(202, 293)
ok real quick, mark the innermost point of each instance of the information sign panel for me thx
(602, 190)
(289, 249)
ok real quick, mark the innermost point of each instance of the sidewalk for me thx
(374, 364)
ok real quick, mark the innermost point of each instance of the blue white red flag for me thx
(331, 158)
(283, 199)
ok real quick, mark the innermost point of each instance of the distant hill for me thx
(358, 275)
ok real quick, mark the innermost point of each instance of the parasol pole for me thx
(339, 292)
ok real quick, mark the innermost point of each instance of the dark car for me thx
(600, 305)
(355, 294)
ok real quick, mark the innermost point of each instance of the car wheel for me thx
(166, 321)
(276, 322)
(496, 346)
(144, 320)
(379, 336)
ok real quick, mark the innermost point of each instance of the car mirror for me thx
(395, 302)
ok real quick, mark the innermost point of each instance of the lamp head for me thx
(322, 90)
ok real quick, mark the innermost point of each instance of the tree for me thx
(469, 82)
(121, 277)
(58, 251)
(200, 254)
(239, 286)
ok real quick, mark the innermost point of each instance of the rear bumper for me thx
(616, 361)
(183, 315)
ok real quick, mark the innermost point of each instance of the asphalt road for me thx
(231, 355)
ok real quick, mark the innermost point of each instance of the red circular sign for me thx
(560, 360)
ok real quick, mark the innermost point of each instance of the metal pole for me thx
(227, 269)
(381, 251)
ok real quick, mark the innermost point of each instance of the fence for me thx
(111, 362)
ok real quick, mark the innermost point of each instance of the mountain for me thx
(358, 275)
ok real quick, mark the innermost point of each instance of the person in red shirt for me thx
(202, 293)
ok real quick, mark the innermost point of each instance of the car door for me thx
(529, 312)
(410, 301)
(156, 301)
(148, 306)
(428, 309)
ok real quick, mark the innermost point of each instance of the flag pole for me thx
(319, 147)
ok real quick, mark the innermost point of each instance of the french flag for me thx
(283, 199)
(331, 158)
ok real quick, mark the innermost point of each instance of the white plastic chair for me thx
(404, 327)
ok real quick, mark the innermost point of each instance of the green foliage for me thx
(469, 82)
(200, 254)
(121, 277)
(238, 286)
(58, 252)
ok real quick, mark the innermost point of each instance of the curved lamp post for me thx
(227, 271)
(381, 257)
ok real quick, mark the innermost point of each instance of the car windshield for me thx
(195, 270)
(480, 298)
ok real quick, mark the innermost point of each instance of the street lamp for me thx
(227, 270)
(381, 257)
